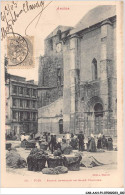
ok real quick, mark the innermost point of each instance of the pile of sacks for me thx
(14, 160)
(55, 171)
(89, 162)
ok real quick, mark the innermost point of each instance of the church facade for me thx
(77, 86)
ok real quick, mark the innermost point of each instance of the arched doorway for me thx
(61, 126)
(98, 112)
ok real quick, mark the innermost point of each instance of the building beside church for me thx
(77, 85)
(21, 106)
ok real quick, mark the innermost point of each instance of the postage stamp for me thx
(20, 51)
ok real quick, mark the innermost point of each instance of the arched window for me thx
(61, 126)
(94, 69)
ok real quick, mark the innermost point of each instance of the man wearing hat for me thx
(81, 141)
(53, 142)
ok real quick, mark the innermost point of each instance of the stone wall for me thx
(47, 96)
(66, 89)
(90, 49)
(49, 70)
(50, 73)
(100, 44)
(49, 116)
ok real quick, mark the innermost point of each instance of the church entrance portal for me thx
(98, 112)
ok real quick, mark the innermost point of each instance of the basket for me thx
(54, 162)
(40, 164)
(35, 164)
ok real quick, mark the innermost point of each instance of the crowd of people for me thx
(77, 142)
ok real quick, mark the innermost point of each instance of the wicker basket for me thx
(41, 164)
(35, 164)
(54, 162)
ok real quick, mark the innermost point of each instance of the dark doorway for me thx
(98, 111)
(61, 126)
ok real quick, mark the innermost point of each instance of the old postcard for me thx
(62, 94)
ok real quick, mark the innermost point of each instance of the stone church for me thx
(77, 85)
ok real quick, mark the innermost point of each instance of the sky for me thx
(51, 18)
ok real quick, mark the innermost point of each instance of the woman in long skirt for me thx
(110, 144)
(99, 142)
(92, 145)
